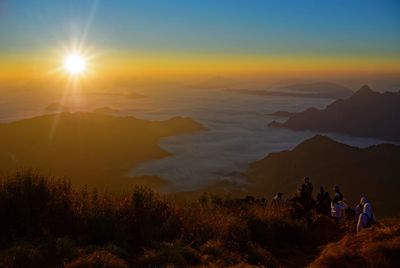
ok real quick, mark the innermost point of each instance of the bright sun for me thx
(75, 64)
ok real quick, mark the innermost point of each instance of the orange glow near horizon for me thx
(175, 65)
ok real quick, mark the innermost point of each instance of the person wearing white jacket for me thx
(367, 217)
(337, 209)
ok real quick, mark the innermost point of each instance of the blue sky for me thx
(337, 27)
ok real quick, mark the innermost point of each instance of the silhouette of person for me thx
(338, 193)
(309, 187)
(277, 200)
(323, 205)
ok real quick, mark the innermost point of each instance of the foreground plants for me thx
(47, 223)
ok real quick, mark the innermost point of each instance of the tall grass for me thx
(375, 247)
(45, 222)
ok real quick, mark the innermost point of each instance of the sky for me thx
(185, 37)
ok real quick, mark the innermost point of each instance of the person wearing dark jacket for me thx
(338, 193)
(323, 205)
(309, 186)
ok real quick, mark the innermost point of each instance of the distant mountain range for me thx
(306, 90)
(56, 107)
(90, 148)
(282, 114)
(106, 110)
(366, 114)
(373, 171)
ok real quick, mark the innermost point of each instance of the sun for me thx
(75, 64)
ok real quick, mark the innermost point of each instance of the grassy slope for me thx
(375, 247)
(45, 223)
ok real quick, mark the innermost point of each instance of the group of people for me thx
(335, 207)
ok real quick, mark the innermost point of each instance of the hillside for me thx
(378, 247)
(366, 114)
(91, 148)
(373, 171)
(49, 223)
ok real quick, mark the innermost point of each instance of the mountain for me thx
(282, 114)
(322, 89)
(305, 90)
(56, 107)
(366, 114)
(90, 148)
(106, 110)
(373, 171)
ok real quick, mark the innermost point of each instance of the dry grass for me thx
(378, 246)
(46, 223)
(99, 258)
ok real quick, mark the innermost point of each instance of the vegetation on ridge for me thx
(46, 223)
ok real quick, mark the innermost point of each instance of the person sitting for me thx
(337, 209)
(277, 200)
(323, 205)
(367, 217)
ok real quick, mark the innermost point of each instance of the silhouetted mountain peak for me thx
(317, 140)
(364, 91)
(354, 116)
(320, 144)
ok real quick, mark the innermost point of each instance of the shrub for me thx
(33, 205)
(23, 256)
(169, 254)
(260, 256)
(151, 218)
(278, 233)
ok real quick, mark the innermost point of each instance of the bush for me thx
(23, 256)
(33, 205)
(260, 256)
(278, 233)
(169, 254)
(152, 218)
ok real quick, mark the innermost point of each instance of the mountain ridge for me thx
(354, 115)
(329, 163)
(94, 149)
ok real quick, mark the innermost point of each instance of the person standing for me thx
(338, 193)
(277, 201)
(323, 205)
(309, 186)
(337, 209)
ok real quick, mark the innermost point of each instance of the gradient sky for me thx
(207, 35)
